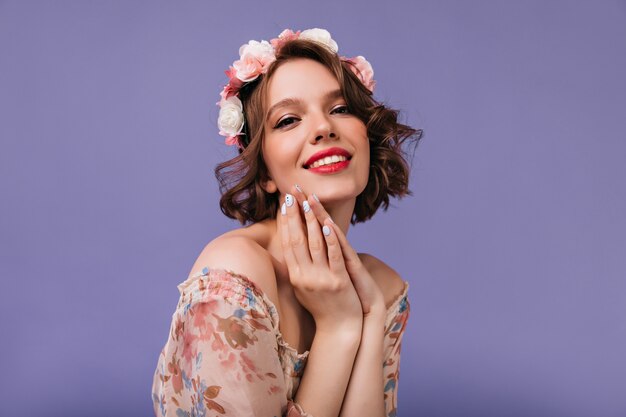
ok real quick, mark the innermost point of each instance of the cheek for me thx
(366, 167)
(280, 155)
(366, 154)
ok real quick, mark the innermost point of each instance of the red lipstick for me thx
(330, 169)
(328, 152)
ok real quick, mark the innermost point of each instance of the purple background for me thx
(514, 242)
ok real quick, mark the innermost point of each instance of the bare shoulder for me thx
(389, 281)
(242, 255)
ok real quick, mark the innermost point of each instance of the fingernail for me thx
(331, 219)
(326, 230)
(316, 199)
(306, 206)
(283, 209)
(289, 200)
(299, 189)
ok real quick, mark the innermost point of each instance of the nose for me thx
(323, 128)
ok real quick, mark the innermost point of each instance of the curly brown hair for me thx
(241, 178)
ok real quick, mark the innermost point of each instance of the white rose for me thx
(230, 120)
(320, 35)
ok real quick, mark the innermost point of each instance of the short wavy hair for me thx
(241, 178)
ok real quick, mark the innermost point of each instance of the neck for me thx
(341, 213)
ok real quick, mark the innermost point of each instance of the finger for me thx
(300, 196)
(298, 192)
(297, 235)
(335, 256)
(290, 260)
(351, 258)
(319, 210)
(317, 244)
(365, 287)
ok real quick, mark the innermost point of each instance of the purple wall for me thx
(514, 241)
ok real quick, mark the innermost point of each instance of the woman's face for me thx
(308, 114)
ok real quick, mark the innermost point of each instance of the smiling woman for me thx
(283, 317)
(241, 178)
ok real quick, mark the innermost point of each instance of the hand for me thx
(370, 295)
(317, 270)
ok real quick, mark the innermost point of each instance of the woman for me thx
(283, 317)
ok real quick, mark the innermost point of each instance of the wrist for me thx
(348, 333)
(330, 324)
(377, 314)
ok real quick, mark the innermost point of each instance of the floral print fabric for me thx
(225, 355)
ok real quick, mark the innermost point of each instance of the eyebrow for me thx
(331, 95)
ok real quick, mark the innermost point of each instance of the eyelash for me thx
(280, 123)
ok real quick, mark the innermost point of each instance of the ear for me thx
(269, 186)
(265, 178)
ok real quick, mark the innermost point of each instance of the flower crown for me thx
(254, 60)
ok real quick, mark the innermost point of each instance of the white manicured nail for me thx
(326, 230)
(306, 206)
(316, 199)
(289, 200)
(283, 209)
(298, 188)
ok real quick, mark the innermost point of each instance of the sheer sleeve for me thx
(221, 356)
(397, 316)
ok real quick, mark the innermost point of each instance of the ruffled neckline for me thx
(205, 271)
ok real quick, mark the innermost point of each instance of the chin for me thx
(338, 194)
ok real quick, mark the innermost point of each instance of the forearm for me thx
(331, 358)
(365, 396)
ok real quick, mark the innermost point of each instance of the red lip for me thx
(330, 169)
(327, 152)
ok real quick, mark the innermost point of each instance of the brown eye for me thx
(285, 122)
(341, 109)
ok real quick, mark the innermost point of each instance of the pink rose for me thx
(248, 69)
(363, 69)
(254, 58)
(232, 140)
(285, 36)
(256, 48)
(233, 86)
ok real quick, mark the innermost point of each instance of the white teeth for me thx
(328, 160)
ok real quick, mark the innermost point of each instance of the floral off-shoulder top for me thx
(225, 355)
